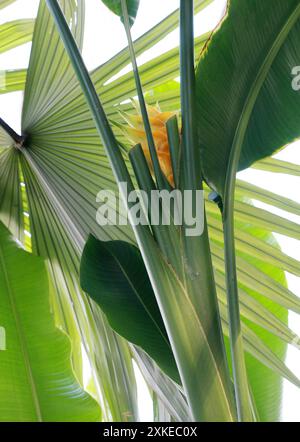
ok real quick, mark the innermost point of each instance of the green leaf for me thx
(11, 213)
(36, 379)
(114, 275)
(13, 80)
(255, 106)
(15, 33)
(257, 193)
(116, 7)
(278, 166)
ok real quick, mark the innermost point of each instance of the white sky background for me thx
(104, 36)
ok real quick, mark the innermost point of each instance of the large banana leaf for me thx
(241, 126)
(37, 382)
(253, 109)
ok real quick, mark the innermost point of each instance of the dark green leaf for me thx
(249, 99)
(114, 275)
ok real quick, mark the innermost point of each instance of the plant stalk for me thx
(18, 139)
(199, 270)
(242, 394)
(154, 158)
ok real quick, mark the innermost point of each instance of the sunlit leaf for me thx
(15, 33)
(37, 382)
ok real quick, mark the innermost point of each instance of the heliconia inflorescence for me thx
(136, 133)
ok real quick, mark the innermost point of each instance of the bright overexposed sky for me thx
(104, 36)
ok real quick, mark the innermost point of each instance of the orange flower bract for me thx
(136, 134)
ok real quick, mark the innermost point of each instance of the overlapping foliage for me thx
(64, 167)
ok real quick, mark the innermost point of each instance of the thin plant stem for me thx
(154, 158)
(16, 137)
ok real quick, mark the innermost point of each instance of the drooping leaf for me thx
(114, 275)
(254, 107)
(37, 382)
(116, 7)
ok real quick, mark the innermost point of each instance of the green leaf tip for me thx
(116, 7)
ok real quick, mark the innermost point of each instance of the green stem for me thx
(236, 338)
(16, 137)
(190, 161)
(154, 158)
(174, 143)
(199, 270)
